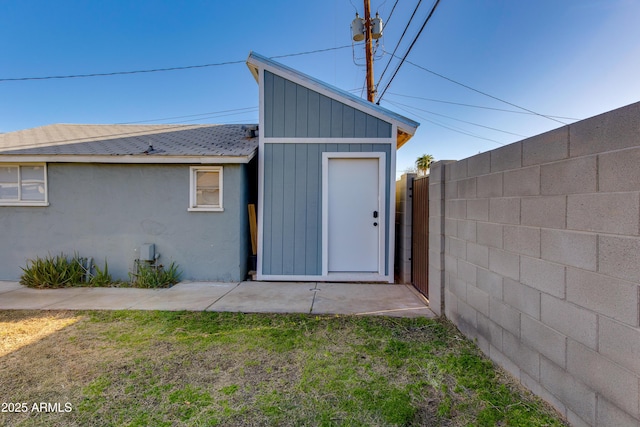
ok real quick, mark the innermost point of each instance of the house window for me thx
(206, 189)
(23, 185)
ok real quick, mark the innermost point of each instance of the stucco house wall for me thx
(106, 211)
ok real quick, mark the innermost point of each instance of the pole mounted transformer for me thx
(367, 29)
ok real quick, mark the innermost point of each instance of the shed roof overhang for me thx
(406, 128)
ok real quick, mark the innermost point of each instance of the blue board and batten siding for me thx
(294, 111)
(292, 205)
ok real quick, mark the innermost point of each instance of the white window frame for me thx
(19, 201)
(193, 187)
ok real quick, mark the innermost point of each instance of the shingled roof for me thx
(136, 143)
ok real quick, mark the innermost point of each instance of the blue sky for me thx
(566, 58)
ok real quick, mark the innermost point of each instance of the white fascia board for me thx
(126, 159)
(406, 125)
(326, 140)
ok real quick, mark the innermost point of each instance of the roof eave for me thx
(124, 159)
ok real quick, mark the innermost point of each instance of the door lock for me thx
(375, 214)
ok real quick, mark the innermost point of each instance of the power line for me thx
(433, 9)
(459, 120)
(206, 115)
(476, 106)
(484, 93)
(400, 40)
(156, 70)
(391, 13)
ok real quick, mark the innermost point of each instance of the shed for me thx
(108, 191)
(326, 174)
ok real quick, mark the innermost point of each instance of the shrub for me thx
(53, 272)
(102, 276)
(148, 276)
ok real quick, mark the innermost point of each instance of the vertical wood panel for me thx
(336, 119)
(348, 124)
(325, 117)
(290, 109)
(313, 248)
(302, 107)
(288, 208)
(420, 235)
(360, 124)
(278, 106)
(384, 129)
(313, 118)
(277, 220)
(268, 104)
(371, 130)
(300, 209)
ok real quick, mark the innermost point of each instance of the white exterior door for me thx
(354, 215)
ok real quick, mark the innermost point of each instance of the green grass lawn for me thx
(132, 368)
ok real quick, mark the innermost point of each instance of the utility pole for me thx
(367, 29)
(371, 89)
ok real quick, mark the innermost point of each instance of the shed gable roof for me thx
(406, 127)
(146, 142)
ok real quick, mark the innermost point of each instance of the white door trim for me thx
(382, 217)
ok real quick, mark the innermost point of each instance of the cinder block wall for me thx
(535, 252)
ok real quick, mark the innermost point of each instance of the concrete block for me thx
(468, 315)
(478, 299)
(616, 384)
(619, 171)
(489, 185)
(620, 257)
(489, 234)
(505, 316)
(544, 211)
(467, 230)
(568, 247)
(610, 131)
(615, 213)
(571, 320)
(489, 282)
(507, 157)
(466, 271)
(478, 209)
(451, 190)
(547, 341)
(436, 171)
(575, 420)
(436, 190)
(611, 415)
(522, 182)
(458, 170)
(504, 263)
(450, 227)
(436, 286)
(525, 357)
(479, 164)
(458, 287)
(543, 275)
(436, 208)
(619, 343)
(436, 225)
(505, 210)
(522, 240)
(490, 331)
(455, 209)
(546, 147)
(467, 188)
(568, 389)
(456, 247)
(451, 265)
(450, 304)
(522, 298)
(569, 176)
(604, 295)
(543, 393)
(478, 254)
(504, 362)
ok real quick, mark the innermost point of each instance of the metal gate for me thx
(420, 235)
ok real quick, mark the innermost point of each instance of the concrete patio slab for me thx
(25, 298)
(191, 296)
(369, 299)
(268, 297)
(103, 299)
(6, 286)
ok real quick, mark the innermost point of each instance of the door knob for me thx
(375, 224)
